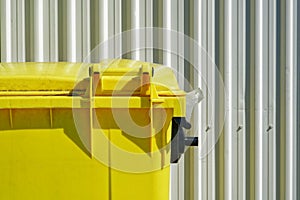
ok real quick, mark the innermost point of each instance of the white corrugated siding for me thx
(255, 45)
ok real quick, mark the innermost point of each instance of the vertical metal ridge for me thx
(186, 70)
(29, 31)
(170, 41)
(211, 101)
(8, 31)
(282, 110)
(167, 24)
(117, 28)
(174, 177)
(200, 35)
(86, 30)
(258, 101)
(252, 137)
(230, 148)
(40, 22)
(220, 97)
(94, 23)
(62, 31)
(298, 101)
(277, 128)
(241, 130)
(74, 30)
(249, 99)
(126, 26)
(70, 36)
(53, 31)
(138, 35)
(273, 101)
(157, 36)
(180, 28)
(149, 33)
(181, 169)
(261, 102)
(21, 30)
(103, 28)
(291, 99)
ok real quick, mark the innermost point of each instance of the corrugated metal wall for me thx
(255, 45)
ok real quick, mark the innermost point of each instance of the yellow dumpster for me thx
(87, 131)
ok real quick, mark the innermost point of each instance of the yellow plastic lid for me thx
(130, 77)
(116, 77)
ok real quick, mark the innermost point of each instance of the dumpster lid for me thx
(130, 77)
(116, 77)
(30, 76)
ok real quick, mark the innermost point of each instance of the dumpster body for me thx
(87, 131)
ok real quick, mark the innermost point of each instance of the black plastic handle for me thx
(179, 139)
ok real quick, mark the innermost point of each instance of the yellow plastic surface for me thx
(43, 155)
